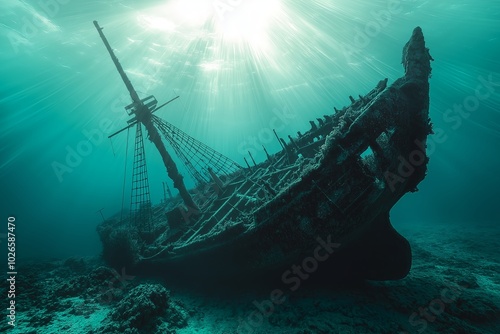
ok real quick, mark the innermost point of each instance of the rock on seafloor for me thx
(453, 288)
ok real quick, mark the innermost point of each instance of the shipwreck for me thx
(332, 186)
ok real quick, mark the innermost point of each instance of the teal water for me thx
(241, 69)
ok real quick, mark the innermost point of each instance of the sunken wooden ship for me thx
(326, 196)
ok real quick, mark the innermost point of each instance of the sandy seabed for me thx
(453, 287)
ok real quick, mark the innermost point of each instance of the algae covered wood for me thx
(331, 187)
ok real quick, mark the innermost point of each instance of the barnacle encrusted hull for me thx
(329, 203)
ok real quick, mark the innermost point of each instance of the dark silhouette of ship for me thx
(322, 201)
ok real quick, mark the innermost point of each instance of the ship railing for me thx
(226, 208)
(241, 196)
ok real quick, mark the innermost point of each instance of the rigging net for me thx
(140, 203)
(195, 155)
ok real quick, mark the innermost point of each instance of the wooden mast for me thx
(143, 114)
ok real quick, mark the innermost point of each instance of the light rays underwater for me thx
(241, 69)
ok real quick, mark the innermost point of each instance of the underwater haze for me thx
(239, 72)
(241, 69)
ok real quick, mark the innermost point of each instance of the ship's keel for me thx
(380, 254)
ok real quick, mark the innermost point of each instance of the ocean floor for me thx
(453, 287)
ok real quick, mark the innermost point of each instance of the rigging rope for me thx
(196, 156)
(112, 148)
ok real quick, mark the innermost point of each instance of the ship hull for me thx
(333, 218)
